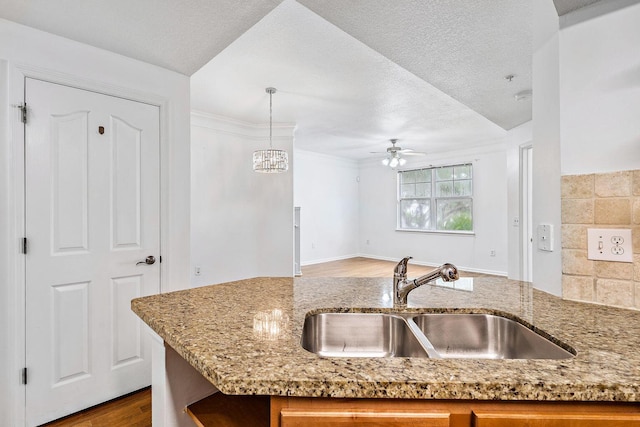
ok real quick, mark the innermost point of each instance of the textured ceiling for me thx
(346, 98)
(426, 70)
(566, 6)
(464, 48)
(179, 35)
(572, 12)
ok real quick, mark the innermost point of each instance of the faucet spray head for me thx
(449, 273)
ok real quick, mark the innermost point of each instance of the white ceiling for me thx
(566, 6)
(464, 48)
(350, 73)
(179, 35)
(346, 98)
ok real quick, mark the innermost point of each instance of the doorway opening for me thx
(526, 212)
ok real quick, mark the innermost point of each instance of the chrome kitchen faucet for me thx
(402, 286)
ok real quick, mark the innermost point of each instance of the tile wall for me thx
(608, 200)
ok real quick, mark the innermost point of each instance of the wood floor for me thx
(366, 267)
(134, 410)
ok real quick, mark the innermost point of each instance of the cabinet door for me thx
(559, 419)
(361, 418)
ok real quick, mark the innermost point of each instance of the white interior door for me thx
(92, 213)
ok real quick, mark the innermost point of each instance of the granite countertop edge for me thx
(215, 335)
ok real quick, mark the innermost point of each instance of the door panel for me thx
(127, 329)
(361, 418)
(70, 332)
(69, 181)
(126, 184)
(545, 419)
(92, 212)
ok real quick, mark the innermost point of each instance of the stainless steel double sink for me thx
(433, 335)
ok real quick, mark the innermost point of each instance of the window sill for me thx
(453, 232)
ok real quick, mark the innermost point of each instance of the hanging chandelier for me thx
(270, 160)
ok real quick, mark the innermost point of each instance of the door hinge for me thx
(23, 111)
(23, 249)
(24, 375)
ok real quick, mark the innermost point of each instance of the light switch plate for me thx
(609, 244)
(545, 237)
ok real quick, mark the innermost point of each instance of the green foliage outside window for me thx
(436, 199)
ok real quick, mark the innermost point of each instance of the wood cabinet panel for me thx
(223, 410)
(361, 418)
(545, 419)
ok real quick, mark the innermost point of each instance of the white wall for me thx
(547, 266)
(31, 52)
(470, 252)
(586, 104)
(241, 221)
(326, 189)
(600, 93)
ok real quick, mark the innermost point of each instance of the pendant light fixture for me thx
(271, 160)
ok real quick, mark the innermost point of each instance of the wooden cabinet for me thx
(221, 410)
(324, 412)
(233, 411)
(361, 418)
(537, 418)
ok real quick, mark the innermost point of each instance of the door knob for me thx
(149, 260)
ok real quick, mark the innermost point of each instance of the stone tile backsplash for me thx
(607, 200)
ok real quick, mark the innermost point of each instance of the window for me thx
(436, 199)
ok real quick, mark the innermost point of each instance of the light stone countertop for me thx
(212, 328)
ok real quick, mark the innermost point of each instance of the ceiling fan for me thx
(395, 155)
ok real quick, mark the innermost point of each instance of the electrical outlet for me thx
(609, 244)
(196, 270)
(492, 252)
(617, 240)
(617, 250)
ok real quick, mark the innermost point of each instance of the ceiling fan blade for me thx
(408, 151)
(414, 153)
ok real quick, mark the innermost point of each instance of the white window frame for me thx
(433, 201)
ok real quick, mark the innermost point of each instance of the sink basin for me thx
(434, 335)
(360, 335)
(485, 336)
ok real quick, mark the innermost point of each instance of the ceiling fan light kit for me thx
(394, 158)
(271, 160)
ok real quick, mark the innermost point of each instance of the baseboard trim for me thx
(432, 264)
(320, 261)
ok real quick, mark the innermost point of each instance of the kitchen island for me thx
(208, 341)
